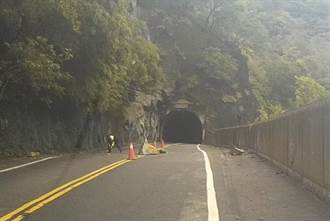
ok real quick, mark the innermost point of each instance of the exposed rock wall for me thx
(49, 131)
(69, 129)
(142, 120)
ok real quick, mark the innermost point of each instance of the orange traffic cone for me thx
(131, 153)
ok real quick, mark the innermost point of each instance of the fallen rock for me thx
(34, 154)
(236, 151)
(149, 149)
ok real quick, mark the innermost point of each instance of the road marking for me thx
(27, 164)
(44, 199)
(70, 188)
(19, 218)
(213, 211)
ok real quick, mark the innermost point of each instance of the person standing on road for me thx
(111, 143)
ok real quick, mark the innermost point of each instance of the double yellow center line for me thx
(34, 205)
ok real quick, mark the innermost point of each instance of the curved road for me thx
(159, 188)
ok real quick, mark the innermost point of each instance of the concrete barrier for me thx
(298, 142)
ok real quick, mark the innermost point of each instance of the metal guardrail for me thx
(297, 141)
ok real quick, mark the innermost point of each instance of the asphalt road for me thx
(162, 188)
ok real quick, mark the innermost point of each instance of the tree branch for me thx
(210, 20)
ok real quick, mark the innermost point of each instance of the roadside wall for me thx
(298, 142)
(66, 128)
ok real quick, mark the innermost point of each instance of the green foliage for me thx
(307, 91)
(125, 62)
(42, 64)
(282, 39)
(93, 52)
(69, 10)
(279, 39)
(268, 107)
(213, 82)
(145, 68)
(216, 66)
(269, 111)
(36, 64)
(98, 43)
(281, 74)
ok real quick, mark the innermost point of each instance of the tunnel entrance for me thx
(182, 126)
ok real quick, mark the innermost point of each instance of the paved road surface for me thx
(162, 188)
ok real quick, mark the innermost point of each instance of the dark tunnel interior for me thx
(182, 127)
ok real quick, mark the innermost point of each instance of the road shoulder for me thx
(250, 188)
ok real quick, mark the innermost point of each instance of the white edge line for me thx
(27, 164)
(213, 211)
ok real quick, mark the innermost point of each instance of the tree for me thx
(98, 43)
(213, 83)
(215, 6)
(307, 90)
(35, 65)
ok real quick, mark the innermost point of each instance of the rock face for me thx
(180, 39)
(46, 130)
(142, 120)
(69, 129)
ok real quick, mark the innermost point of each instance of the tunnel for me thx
(182, 126)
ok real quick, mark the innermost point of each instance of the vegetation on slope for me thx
(91, 52)
(282, 42)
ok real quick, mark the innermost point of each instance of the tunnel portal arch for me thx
(182, 126)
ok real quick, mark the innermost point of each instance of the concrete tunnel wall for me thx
(182, 126)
